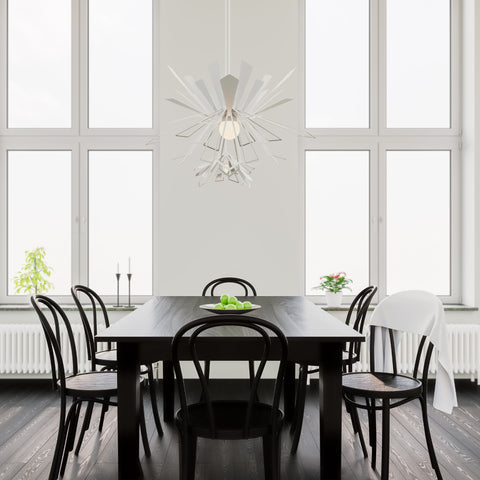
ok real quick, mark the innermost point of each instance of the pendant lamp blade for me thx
(184, 105)
(214, 70)
(245, 73)
(229, 85)
(276, 104)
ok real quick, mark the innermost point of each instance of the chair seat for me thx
(230, 419)
(107, 358)
(92, 384)
(380, 385)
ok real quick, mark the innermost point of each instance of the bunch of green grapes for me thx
(231, 303)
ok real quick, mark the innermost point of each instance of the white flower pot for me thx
(334, 299)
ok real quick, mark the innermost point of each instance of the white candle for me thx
(118, 267)
(129, 265)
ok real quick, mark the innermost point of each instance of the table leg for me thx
(168, 391)
(330, 363)
(289, 391)
(128, 376)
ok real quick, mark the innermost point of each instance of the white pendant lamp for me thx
(228, 132)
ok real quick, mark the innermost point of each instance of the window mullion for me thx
(374, 66)
(382, 67)
(374, 216)
(382, 222)
(82, 181)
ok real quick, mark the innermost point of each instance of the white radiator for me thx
(464, 345)
(23, 350)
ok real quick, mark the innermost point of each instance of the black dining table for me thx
(314, 337)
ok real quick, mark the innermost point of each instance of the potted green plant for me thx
(32, 277)
(333, 286)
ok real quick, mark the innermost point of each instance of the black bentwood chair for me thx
(209, 290)
(350, 356)
(91, 387)
(229, 419)
(393, 390)
(234, 280)
(107, 359)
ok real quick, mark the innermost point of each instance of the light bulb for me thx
(229, 129)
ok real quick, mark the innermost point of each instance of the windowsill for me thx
(67, 308)
(111, 308)
(447, 308)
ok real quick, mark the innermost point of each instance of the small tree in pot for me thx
(32, 277)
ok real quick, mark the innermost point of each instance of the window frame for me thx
(379, 139)
(78, 139)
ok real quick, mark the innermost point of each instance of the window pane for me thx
(39, 199)
(120, 64)
(337, 214)
(418, 221)
(337, 64)
(39, 64)
(120, 215)
(418, 63)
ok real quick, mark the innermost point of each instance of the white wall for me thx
(227, 229)
(224, 228)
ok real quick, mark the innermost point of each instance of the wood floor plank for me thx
(30, 414)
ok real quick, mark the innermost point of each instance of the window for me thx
(120, 63)
(381, 190)
(120, 219)
(39, 64)
(39, 215)
(338, 43)
(337, 236)
(77, 165)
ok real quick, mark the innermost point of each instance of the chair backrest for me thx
(259, 328)
(360, 306)
(95, 302)
(211, 286)
(374, 330)
(414, 311)
(58, 334)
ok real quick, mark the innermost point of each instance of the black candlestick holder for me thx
(129, 276)
(118, 289)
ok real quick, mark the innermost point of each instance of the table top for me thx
(161, 317)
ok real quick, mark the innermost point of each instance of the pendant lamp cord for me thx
(227, 36)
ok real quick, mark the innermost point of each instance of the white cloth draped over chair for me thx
(422, 313)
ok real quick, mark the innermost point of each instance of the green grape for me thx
(224, 299)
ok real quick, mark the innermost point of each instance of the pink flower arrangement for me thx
(335, 282)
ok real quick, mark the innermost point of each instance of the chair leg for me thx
(188, 456)
(251, 370)
(206, 370)
(385, 438)
(428, 437)
(143, 432)
(357, 427)
(57, 455)
(86, 424)
(153, 398)
(104, 411)
(70, 428)
(73, 428)
(348, 408)
(271, 456)
(296, 427)
(372, 427)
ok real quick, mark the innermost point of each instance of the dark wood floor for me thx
(28, 426)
